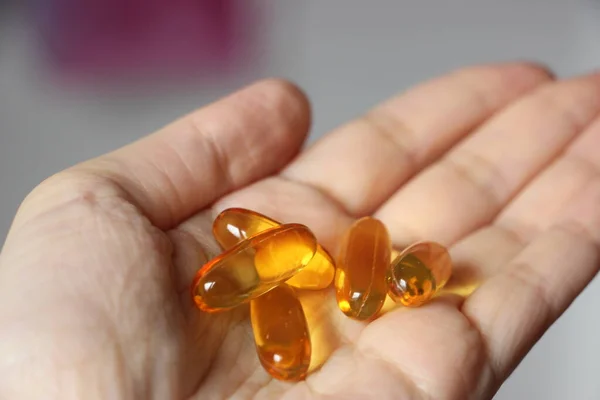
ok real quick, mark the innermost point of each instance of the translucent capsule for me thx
(418, 273)
(362, 263)
(281, 334)
(236, 224)
(253, 267)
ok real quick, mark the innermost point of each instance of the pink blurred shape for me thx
(142, 37)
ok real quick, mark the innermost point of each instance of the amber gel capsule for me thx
(235, 224)
(281, 333)
(253, 267)
(418, 273)
(360, 280)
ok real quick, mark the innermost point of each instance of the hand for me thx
(500, 163)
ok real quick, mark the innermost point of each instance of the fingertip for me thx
(530, 69)
(285, 89)
(276, 102)
(512, 77)
(289, 111)
(537, 68)
(533, 68)
(287, 98)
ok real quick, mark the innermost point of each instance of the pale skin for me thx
(501, 163)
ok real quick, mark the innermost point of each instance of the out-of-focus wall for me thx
(347, 55)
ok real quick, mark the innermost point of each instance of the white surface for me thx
(347, 55)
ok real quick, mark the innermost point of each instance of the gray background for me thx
(347, 55)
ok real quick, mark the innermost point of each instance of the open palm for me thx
(500, 163)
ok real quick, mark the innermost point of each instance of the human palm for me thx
(499, 163)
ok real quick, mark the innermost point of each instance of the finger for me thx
(514, 308)
(369, 158)
(187, 165)
(540, 204)
(467, 188)
(535, 209)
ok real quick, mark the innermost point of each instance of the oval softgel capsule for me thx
(362, 263)
(253, 267)
(418, 273)
(237, 224)
(281, 334)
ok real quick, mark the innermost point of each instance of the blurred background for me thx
(79, 78)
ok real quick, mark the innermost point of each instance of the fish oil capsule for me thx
(418, 273)
(253, 267)
(362, 263)
(236, 224)
(281, 334)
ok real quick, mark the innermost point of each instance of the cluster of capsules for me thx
(264, 262)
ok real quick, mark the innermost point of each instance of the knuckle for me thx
(70, 186)
(78, 191)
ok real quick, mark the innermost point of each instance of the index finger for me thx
(190, 163)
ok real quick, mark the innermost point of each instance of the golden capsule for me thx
(236, 224)
(253, 267)
(418, 273)
(360, 279)
(281, 334)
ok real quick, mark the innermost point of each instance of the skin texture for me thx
(498, 162)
